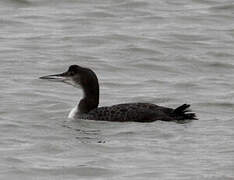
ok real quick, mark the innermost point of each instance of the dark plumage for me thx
(139, 112)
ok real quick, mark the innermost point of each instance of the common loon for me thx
(88, 106)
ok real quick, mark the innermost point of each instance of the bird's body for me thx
(139, 112)
(88, 106)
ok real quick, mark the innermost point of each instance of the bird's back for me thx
(139, 112)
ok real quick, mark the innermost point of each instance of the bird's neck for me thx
(90, 100)
(86, 105)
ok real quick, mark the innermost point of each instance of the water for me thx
(164, 52)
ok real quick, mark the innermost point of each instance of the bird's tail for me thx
(183, 113)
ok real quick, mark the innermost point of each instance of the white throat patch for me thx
(73, 112)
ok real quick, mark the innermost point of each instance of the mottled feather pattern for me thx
(139, 112)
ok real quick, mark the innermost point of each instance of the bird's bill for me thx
(56, 77)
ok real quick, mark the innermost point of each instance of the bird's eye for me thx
(72, 73)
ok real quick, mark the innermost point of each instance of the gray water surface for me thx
(166, 52)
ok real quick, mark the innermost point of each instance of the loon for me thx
(87, 108)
